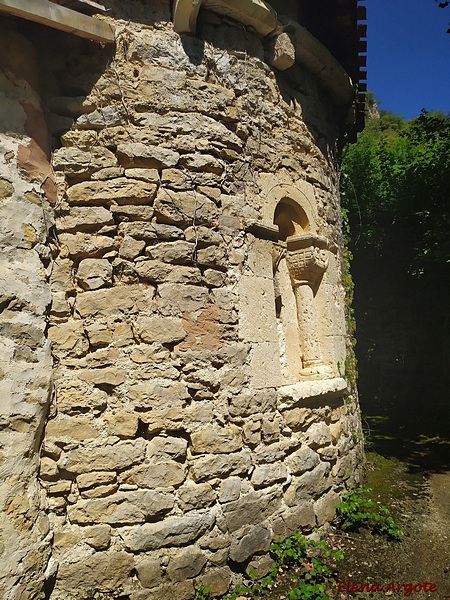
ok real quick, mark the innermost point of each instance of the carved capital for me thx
(307, 258)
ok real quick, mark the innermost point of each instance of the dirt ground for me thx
(417, 491)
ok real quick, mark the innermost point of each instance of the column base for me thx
(316, 371)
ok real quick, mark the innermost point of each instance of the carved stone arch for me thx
(290, 218)
(300, 259)
(300, 198)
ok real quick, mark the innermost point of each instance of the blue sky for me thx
(408, 57)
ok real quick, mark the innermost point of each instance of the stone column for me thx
(307, 261)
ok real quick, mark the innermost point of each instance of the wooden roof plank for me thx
(59, 17)
(85, 6)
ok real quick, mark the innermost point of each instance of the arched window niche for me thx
(300, 261)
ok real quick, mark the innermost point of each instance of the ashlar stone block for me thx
(122, 508)
(173, 531)
(258, 540)
(94, 273)
(164, 330)
(186, 563)
(257, 322)
(216, 440)
(265, 365)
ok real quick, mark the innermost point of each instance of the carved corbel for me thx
(280, 51)
(185, 13)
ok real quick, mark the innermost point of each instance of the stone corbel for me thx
(280, 51)
(257, 14)
(185, 13)
(313, 55)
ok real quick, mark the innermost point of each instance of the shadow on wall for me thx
(71, 69)
(221, 45)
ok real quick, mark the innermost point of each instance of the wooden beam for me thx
(88, 7)
(59, 17)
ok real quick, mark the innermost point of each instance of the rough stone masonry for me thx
(173, 319)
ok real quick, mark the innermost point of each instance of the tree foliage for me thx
(396, 190)
(443, 4)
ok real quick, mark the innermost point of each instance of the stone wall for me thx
(197, 412)
(25, 360)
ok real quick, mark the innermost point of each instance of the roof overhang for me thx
(60, 17)
(261, 17)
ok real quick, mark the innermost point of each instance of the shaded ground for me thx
(419, 500)
(409, 471)
(412, 478)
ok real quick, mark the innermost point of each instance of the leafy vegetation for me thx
(202, 592)
(306, 569)
(443, 4)
(317, 564)
(357, 510)
(314, 564)
(396, 187)
(396, 199)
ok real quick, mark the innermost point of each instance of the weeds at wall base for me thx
(307, 566)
